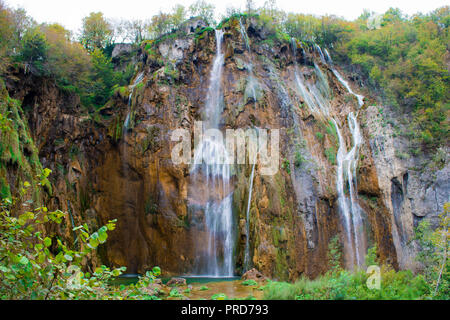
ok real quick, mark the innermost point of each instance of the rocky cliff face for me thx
(117, 164)
(412, 188)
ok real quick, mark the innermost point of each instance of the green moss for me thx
(203, 32)
(319, 135)
(123, 92)
(5, 191)
(331, 130)
(330, 153)
(18, 154)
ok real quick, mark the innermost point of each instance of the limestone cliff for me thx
(117, 163)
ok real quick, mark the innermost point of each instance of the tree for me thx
(34, 51)
(96, 32)
(178, 15)
(204, 10)
(21, 22)
(160, 24)
(6, 32)
(68, 61)
(102, 79)
(250, 6)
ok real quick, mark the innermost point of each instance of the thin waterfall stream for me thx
(346, 174)
(252, 83)
(317, 99)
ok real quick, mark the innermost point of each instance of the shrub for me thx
(330, 153)
(249, 282)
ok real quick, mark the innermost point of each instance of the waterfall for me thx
(211, 163)
(346, 85)
(319, 51)
(346, 175)
(247, 216)
(317, 96)
(312, 94)
(244, 34)
(136, 81)
(328, 58)
(251, 86)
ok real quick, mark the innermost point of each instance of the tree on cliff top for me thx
(204, 10)
(96, 32)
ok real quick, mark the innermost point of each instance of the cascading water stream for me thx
(251, 84)
(319, 50)
(346, 175)
(136, 81)
(346, 172)
(313, 94)
(346, 85)
(211, 162)
(244, 34)
(247, 216)
(317, 96)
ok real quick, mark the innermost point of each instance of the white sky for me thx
(70, 13)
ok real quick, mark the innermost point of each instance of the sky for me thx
(70, 13)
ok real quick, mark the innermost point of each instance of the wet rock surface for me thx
(103, 171)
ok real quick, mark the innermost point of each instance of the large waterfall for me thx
(211, 165)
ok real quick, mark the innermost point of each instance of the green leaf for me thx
(93, 240)
(46, 172)
(156, 271)
(23, 260)
(98, 271)
(4, 269)
(41, 257)
(47, 242)
(102, 236)
(68, 257)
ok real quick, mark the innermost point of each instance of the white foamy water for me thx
(211, 161)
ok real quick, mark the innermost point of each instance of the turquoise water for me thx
(194, 279)
(128, 279)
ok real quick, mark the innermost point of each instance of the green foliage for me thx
(405, 57)
(96, 32)
(330, 153)
(285, 165)
(34, 266)
(334, 255)
(371, 257)
(219, 296)
(204, 10)
(319, 135)
(249, 282)
(401, 285)
(204, 288)
(39, 266)
(34, 51)
(102, 79)
(298, 159)
(174, 293)
(434, 254)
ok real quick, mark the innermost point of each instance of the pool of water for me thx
(206, 279)
(203, 287)
(127, 279)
